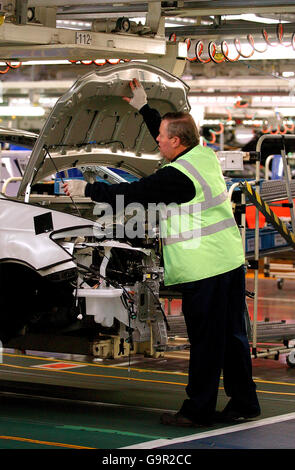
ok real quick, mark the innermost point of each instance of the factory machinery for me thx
(139, 324)
(114, 286)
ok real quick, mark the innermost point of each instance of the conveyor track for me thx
(275, 190)
(266, 331)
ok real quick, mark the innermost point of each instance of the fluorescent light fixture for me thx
(272, 53)
(285, 111)
(32, 111)
(252, 122)
(39, 62)
(180, 20)
(169, 22)
(252, 17)
(70, 24)
(177, 21)
(209, 100)
(47, 101)
(211, 122)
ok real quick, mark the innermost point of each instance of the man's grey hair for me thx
(182, 125)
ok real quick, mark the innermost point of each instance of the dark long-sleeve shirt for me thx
(167, 185)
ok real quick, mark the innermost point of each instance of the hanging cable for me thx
(238, 104)
(5, 70)
(17, 66)
(9, 66)
(252, 44)
(213, 48)
(221, 129)
(265, 37)
(99, 62)
(238, 46)
(225, 50)
(188, 44)
(213, 54)
(199, 50)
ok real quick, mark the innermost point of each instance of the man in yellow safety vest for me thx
(203, 257)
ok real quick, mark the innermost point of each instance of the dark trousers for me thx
(214, 312)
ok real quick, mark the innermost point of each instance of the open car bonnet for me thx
(92, 124)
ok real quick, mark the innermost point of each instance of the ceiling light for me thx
(69, 24)
(34, 111)
(180, 20)
(285, 111)
(39, 62)
(252, 17)
(43, 100)
(272, 53)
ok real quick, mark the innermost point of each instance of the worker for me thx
(204, 260)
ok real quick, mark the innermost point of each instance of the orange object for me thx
(279, 211)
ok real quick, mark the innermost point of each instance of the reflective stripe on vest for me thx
(200, 232)
(195, 208)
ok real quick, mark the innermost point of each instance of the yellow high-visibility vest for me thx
(200, 238)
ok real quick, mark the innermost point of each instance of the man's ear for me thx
(176, 141)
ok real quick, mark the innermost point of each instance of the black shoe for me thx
(231, 414)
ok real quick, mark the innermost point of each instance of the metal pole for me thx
(243, 221)
(221, 141)
(287, 181)
(256, 257)
(258, 150)
(21, 11)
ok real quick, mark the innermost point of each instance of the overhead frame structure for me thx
(34, 41)
(231, 7)
(25, 42)
(22, 41)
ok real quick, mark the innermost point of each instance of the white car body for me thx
(56, 264)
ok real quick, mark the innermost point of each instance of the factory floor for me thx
(66, 401)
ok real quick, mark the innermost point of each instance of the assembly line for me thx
(147, 228)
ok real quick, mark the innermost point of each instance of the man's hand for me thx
(139, 98)
(74, 188)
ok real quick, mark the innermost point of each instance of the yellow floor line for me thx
(275, 393)
(95, 365)
(185, 374)
(96, 375)
(154, 381)
(45, 443)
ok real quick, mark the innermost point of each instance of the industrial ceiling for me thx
(228, 51)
